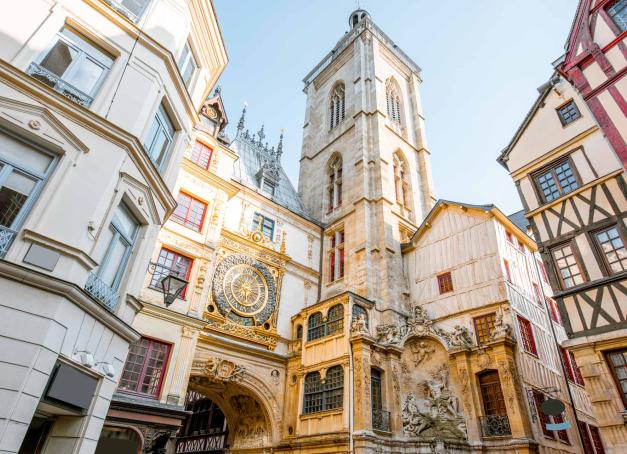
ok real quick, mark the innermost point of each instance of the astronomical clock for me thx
(245, 289)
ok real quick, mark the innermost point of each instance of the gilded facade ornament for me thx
(220, 370)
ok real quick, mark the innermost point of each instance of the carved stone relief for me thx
(221, 370)
(251, 428)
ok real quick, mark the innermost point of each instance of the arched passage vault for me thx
(249, 405)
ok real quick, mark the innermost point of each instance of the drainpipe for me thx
(557, 346)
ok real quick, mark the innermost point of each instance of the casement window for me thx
(568, 113)
(187, 64)
(543, 273)
(492, 394)
(401, 181)
(132, 9)
(508, 272)
(265, 224)
(573, 374)
(445, 282)
(618, 13)
(556, 180)
(617, 361)
(319, 327)
(336, 105)
(160, 138)
(145, 367)
(526, 333)
(554, 310)
(611, 244)
(189, 212)
(376, 390)
(325, 396)
(336, 256)
(567, 265)
(120, 237)
(484, 327)
(393, 100)
(537, 294)
(592, 443)
(543, 418)
(168, 263)
(24, 170)
(73, 66)
(335, 183)
(201, 155)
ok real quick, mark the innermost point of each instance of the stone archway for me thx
(250, 427)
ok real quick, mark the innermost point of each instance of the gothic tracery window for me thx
(393, 99)
(336, 105)
(401, 181)
(335, 182)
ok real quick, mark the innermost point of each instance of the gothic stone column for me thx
(362, 400)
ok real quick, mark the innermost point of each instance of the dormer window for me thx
(568, 113)
(268, 187)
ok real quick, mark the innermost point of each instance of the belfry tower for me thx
(364, 168)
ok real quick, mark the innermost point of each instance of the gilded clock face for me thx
(244, 290)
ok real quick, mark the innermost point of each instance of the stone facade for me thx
(318, 321)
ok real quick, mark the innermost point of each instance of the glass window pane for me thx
(160, 147)
(114, 261)
(60, 57)
(86, 76)
(24, 156)
(137, 7)
(13, 197)
(125, 222)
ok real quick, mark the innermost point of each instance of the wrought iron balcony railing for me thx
(495, 426)
(381, 420)
(6, 238)
(52, 80)
(101, 292)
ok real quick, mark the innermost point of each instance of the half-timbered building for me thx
(571, 183)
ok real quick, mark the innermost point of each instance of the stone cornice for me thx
(93, 122)
(209, 177)
(84, 259)
(171, 316)
(214, 341)
(70, 292)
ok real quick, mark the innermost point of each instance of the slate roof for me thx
(519, 219)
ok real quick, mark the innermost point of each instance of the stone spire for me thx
(279, 148)
(261, 134)
(242, 119)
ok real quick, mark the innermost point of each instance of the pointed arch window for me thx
(401, 181)
(393, 99)
(335, 183)
(336, 105)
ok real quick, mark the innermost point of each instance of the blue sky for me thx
(481, 61)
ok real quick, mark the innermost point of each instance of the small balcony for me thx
(52, 80)
(6, 238)
(381, 420)
(495, 426)
(100, 291)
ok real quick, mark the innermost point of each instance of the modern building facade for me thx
(353, 315)
(97, 103)
(567, 161)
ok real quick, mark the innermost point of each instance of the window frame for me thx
(325, 392)
(508, 271)
(83, 45)
(117, 5)
(575, 252)
(402, 184)
(325, 326)
(337, 105)
(129, 245)
(543, 418)
(164, 369)
(162, 119)
(197, 160)
(525, 328)
(490, 319)
(619, 29)
(337, 256)
(563, 120)
(444, 281)
(335, 174)
(605, 264)
(188, 57)
(177, 255)
(617, 380)
(184, 223)
(551, 167)
(264, 219)
(8, 166)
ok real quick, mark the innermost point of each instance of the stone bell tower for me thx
(364, 168)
